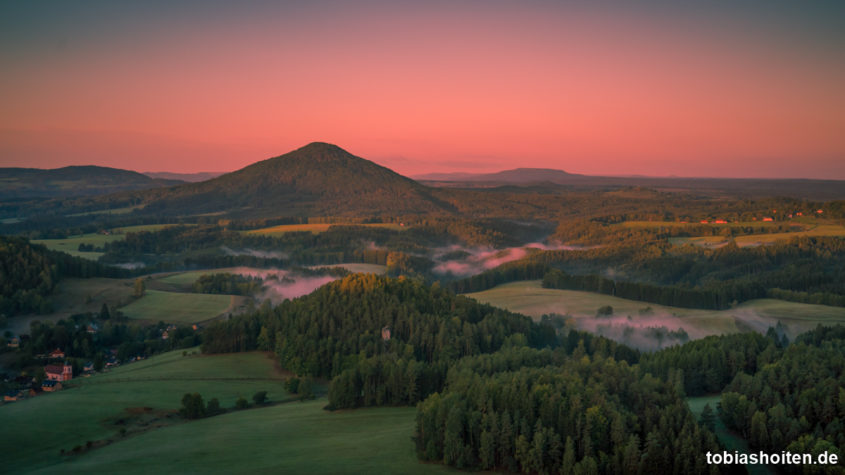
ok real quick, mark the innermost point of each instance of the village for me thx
(54, 371)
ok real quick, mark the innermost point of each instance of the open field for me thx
(819, 230)
(287, 438)
(188, 278)
(71, 244)
(530, 298)
(75, 295)
(678, 224)
(730, 440)
(177, 307)
(125, 210)
(359, 268)
(315, 228)
(36, 429)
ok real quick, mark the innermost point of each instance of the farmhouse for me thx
(57, 372)
(768, 219)
(385, 333)
(721, 221)
(50, 386)
(15, 342)
(11, 396)
(57, 353)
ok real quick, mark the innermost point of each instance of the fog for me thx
(480, 259)
(254, 253)
(282, 284)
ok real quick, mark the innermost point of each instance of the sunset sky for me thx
(604, 88)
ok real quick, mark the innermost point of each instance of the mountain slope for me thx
(72, 181)
(317, 179)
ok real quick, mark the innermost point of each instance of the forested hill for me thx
(22, 183)
(28, 274)
(318, 179)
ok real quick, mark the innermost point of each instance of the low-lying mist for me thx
(471, 261)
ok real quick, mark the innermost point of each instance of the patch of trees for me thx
(225, 283)
(707, 365)
(795, 402)
(582, 415)
(27, 277)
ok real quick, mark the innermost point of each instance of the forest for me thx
(495, 390)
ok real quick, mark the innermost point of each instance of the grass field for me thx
(71, 244)
(730, 440)
(73, 295)
(125, 210)
(359, 268)
(177, 307)
(530, 298)
(816, 230)
(287, 438)
(36, 429)
(315, 228)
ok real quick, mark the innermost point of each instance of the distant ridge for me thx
(73, 181)
(515, 176)
(186, 177)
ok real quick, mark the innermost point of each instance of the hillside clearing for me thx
(178, 307)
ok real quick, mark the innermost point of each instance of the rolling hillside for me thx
(22, 183)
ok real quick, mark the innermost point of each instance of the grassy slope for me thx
(38, 428)
(314, 228)
(71, 244)
(530, 298)
(288, 438)
(177, 307)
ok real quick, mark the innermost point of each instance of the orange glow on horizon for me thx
(586, 91)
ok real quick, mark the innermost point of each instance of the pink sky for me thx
(444, 88)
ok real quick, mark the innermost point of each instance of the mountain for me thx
(186, 177)
(24, 183)
(517, 176)
(318, 179)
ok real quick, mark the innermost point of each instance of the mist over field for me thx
(281, 284)
(474, 260)
(254, 253)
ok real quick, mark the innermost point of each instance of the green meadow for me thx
(530, 298)
(315, 228)
(35, 430)
(71, 244)
(288, 438)
(178, 307)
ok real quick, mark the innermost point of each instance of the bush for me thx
(213, 407)
(292, 385)
(260, 397)
(241, 403)
(604, 311)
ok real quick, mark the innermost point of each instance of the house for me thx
(50, 386)
(11, 396)
(703, 221)
(385, 333)
(15, 342)
(819, 211)
(92, 328)
(88, 368)
(721, 221)
(768, 219)
(57, 354)
(57, 372)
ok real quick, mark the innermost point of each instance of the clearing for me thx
(530, 298)
(179, 307)
(317, 228)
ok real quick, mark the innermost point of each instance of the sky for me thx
(723, 89)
